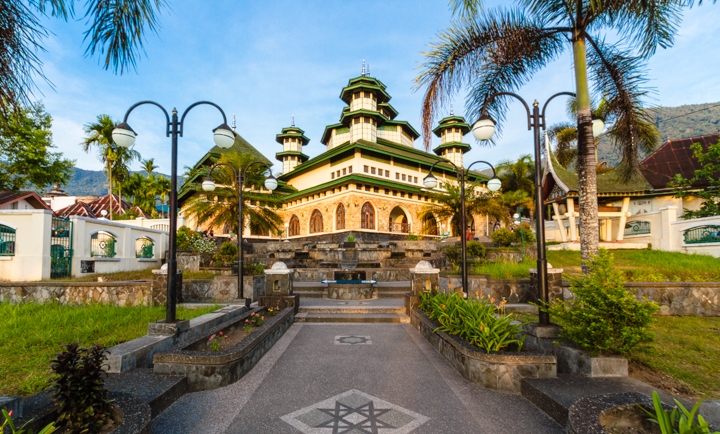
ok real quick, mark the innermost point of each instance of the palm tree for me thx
(221, 206)
(149, 166)
(449, 205)
(500, 50)
(116, 30)
(162, 190)
(518, 175)
(122, 157)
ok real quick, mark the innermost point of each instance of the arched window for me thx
(144, 248)
(316, 222)
(294, 228)
(340, 217)
(102, 245)
(430, 226)
(367, 217)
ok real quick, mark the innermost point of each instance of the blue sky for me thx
(267, 60)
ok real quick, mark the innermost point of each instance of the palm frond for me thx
(497, 51)
(620, 77)
(466, 9)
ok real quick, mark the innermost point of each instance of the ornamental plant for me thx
(8, 423)
(478, 321)
(78, 389)
(503, 237)
(351, 238)
(524, 231)
(227, 254)
(185, 236)
(273, 311)
(475, 249)
(678, 421)
(203, 245)
(604, 317)
(216, 341)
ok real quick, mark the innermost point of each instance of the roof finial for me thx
(367, 70)
(363, 68)
(451, 110)
(293, 120)
(233, 124)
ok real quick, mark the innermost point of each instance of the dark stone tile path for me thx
(325, 378)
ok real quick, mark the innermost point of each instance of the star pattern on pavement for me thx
(363, 419)
(353, 340)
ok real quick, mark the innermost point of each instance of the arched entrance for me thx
(398, 221)
(430, 226)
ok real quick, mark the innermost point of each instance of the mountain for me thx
(93, 182)
(673, 123)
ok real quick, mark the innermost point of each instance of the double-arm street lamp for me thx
(124, 136)
(208, 185)
(493, 184)
(484, 129)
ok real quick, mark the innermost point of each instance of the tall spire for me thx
(367, 70)
(363, 68)
(293, 120)
(451, 110)
(233, 123)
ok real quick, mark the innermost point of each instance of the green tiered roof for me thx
(292, 131)
(365, 83)
(452, 122)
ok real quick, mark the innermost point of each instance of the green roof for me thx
(292, 132)
(464, 146)
(365, 83)
(356, 178)
(405, 124)
(452, 122)
(279, 155)
(389, 108)
(608, 183)
(347, 115)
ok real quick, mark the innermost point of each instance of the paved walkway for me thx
(353, 378)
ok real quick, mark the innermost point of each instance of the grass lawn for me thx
(32, 334)
(688, 349)
(648, 265)
(133, 275)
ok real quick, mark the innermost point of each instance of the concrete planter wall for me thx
(497, 371)
(208, 370)
(512, 290)
(131, 293)
(572, 360)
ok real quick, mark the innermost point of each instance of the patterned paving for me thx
(353, 340)
(354, 412)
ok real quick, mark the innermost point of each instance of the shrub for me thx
(351, 238)
(475, 249)
(203, 245)
(503, 237)
(479, 322)
(524, 231)
(413, 237)
(227, 254)
(253, 268)
(453, 253)
(604, 317)
(78, 389)
(185, 236)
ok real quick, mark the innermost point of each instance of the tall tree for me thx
(162, 190)
(518, 175)
(149, 166)
(448, 206)
(500, 50)
(220, 207)
(115, 32)
(25, 157)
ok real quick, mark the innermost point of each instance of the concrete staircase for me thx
(381, 310)
(383, 289)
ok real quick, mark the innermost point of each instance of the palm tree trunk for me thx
(587, 169)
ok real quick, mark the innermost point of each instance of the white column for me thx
(608, 229)
(623, 218)
(559, 222)
(571, 217)
(670, 240)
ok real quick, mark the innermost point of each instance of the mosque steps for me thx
(352, 318)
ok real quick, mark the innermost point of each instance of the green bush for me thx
(475, 249)
(604, 317)
(203, 245)
(253, 268)
(453, 252)
(78, 389)
(351, 238)
(524, 231)
(227, 255)
(185, 236)
(503, 237)
(479, 322)
(413, 237)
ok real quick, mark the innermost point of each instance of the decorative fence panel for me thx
(637, 227)
(61, 248)
(7, 241)
(702, 234)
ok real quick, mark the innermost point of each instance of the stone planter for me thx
(572, 360)
(620, 411)
(207, 370)
(498, 371)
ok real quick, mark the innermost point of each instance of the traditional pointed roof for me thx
(8, 197)
(675, 157)
(94, 209)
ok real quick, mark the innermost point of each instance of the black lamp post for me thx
(124, 136)
(483, 129)
(493, 184)
(208, 185)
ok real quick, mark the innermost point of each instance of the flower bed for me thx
(498, 371)
(206, 369)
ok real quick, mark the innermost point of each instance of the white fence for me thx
(98, 246)
(664, 231)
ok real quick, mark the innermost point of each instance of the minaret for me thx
(293, 139)
(451, 131)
